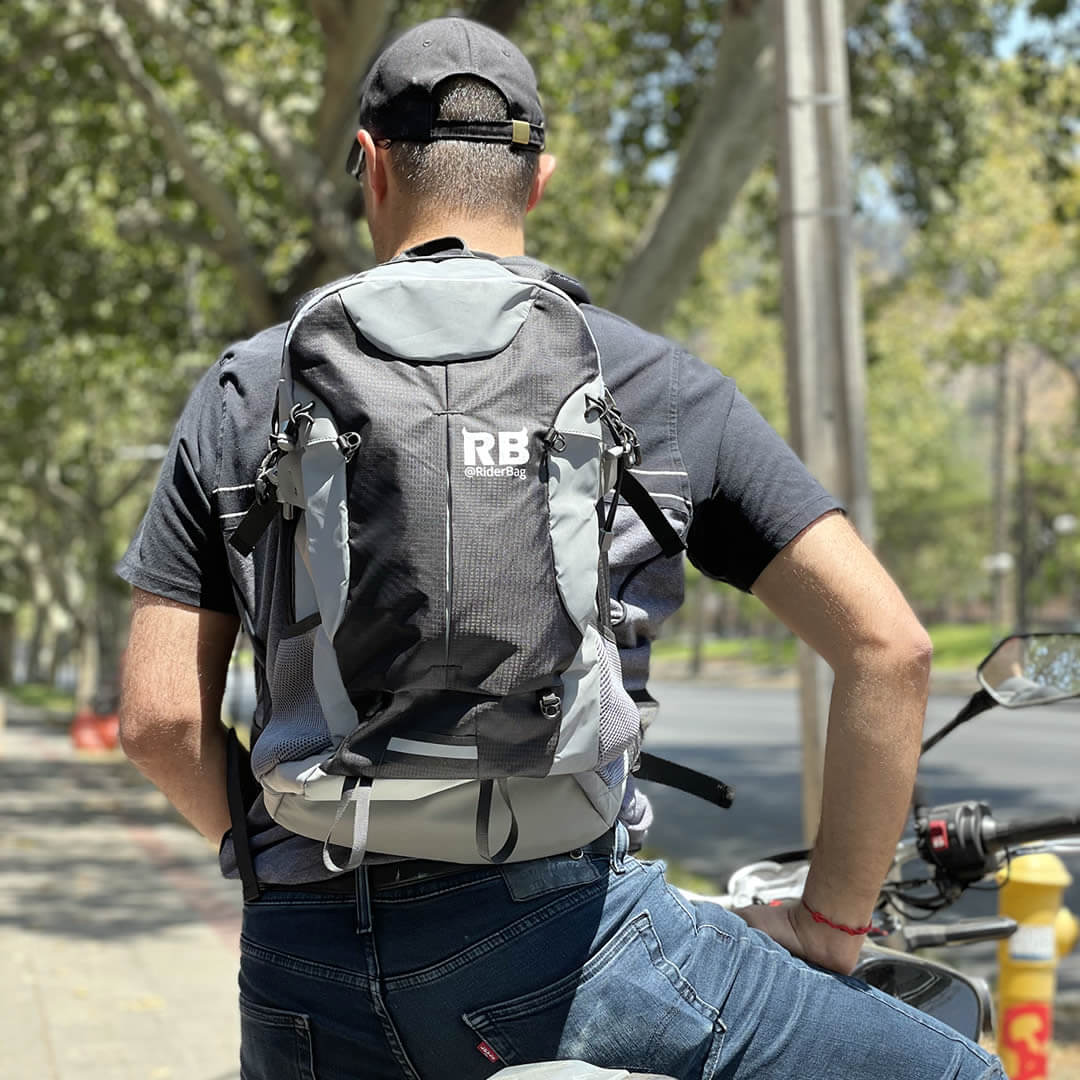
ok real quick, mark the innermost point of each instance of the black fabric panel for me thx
(514, 739)
(391, 633)
(504, 574)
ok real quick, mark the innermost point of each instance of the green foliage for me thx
(960, 647)
(37, 696)
(142, 225)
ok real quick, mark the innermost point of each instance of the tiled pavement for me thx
(118, 938)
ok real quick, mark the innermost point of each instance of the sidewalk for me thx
(118, 938)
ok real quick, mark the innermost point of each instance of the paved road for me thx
(1024, 762)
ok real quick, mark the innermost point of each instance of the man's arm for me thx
(170, 709)
(829, 589)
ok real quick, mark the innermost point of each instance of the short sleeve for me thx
(178, 551)
(752, 495)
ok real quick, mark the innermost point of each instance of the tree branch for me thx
(121, 56)
(299, 169)
(499, 14)
(353, 30)
(727, 139)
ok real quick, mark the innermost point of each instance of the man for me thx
(415, 969)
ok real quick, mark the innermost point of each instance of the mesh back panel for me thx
(296, 728)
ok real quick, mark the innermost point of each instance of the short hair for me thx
(478, 178)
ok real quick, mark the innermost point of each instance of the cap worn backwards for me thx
(397, 100)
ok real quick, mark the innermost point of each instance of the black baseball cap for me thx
(397, 99)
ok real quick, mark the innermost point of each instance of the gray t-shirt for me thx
(723, 477)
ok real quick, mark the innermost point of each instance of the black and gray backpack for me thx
(448, 462)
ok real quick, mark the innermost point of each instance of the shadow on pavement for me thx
(89, 849)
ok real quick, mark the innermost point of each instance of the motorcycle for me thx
(954, 847)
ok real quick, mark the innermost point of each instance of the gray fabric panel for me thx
(578, 747)
(573, 491)
(554, 814)
(304, 600)
(327, 519)
(338, 710)
(451, 310)
(324, 550)
(306, 777)
(290, 486)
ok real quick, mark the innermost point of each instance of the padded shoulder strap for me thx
(526, 267)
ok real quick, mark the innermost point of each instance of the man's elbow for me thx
(905, 654)
(144, 732)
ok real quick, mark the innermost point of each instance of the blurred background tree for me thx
(174, 180)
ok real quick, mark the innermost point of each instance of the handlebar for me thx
(963, 841)
(1031, 830)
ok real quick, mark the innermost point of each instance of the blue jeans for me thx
(592, 957)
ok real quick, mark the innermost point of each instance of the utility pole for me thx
(1000, 562)
(822, 317)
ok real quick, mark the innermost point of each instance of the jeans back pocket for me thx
(274, 1044)
(627, 1007)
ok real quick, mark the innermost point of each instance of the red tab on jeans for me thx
(487, 1051)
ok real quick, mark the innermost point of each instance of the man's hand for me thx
(791, 925)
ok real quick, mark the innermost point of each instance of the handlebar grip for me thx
(1030, 830)
(989, 928)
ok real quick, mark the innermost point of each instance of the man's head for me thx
(452, 133)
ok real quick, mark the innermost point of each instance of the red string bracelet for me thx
(854, 931)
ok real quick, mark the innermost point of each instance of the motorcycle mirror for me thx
(1032, 669)
(961, 1001)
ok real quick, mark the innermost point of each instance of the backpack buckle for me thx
(550, 705)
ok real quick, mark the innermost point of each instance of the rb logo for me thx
(513, 447)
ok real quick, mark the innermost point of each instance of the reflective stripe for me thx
(423, 749)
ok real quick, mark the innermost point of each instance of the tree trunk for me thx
(697, 630)
(727, 139)
(38, 645)
(88, 662)
(998, 570)
(1023, 506)
(7, 647)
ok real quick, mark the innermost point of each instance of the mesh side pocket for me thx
(620, 723)
(296, 728)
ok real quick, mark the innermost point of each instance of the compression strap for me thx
(661, 771)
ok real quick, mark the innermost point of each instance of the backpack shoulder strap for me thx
(652, 517)
(527, 267)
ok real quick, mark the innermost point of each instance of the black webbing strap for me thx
(651, 515)
(661, 771)
(234, 790)
(483, 823)
(252, 525)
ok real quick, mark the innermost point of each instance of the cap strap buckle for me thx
(521, 133)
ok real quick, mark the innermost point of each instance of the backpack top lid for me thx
(454, 308)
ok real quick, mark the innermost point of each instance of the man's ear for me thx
(545, 167)
(373, 175)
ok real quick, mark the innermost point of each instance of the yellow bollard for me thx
(1027, 961)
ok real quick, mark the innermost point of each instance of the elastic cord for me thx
(854, 931)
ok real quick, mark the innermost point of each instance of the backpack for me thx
(447, 463)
